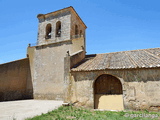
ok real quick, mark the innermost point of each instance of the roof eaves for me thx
(114, 69)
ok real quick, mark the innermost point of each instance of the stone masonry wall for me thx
(48, 67)
(64, 18)
(140, 87)
(15, 80)
(76, 21)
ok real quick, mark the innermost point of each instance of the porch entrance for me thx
(108, 93)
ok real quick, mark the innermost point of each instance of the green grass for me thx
(77, 113)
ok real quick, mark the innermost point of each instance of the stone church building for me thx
(57, 68)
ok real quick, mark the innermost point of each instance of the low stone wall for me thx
(15, 80)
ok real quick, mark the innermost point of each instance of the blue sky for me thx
(113, 25)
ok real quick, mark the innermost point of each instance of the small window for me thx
(80, 33)
(58, 29)
(76, 30)
(48, 31)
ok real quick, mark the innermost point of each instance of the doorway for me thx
(108, 93)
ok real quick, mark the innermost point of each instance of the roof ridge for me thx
(129, 50)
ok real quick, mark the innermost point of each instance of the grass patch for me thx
(78, 113)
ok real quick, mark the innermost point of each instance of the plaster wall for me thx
(15, 80)
(109, 102)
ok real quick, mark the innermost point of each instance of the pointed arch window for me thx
(58, 29)
(48, 31)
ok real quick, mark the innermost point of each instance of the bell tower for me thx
(58, 26)
(60, 34)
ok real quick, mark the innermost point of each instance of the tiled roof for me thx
(145, 58)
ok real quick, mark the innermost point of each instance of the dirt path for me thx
(19, 110)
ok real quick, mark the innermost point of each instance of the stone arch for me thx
(108, 87)
(119, 78)
(48, 31)
(58, 29)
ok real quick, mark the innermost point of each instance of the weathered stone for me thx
(47, 59)
(61, 47)
(15, 80)
(136, 95)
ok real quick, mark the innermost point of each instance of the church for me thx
(57, 68)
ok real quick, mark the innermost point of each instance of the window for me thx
(76, 30)
(48, 31)
(80, 33)
(58, 29)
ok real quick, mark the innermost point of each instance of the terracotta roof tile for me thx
(145, 58)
